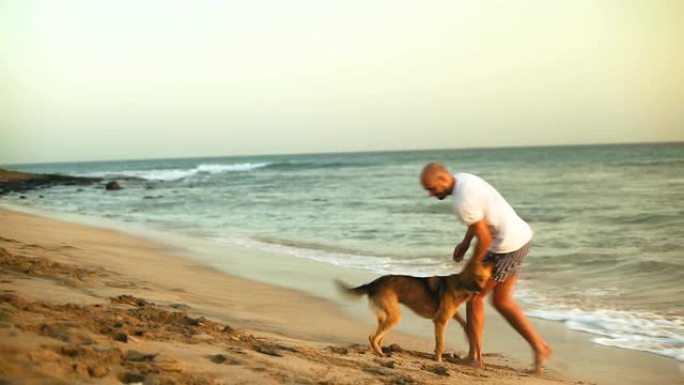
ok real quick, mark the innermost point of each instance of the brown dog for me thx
(437, 298)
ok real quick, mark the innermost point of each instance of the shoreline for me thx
(349, 318)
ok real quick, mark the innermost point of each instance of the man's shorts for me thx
(507, 264)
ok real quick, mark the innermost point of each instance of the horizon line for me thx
(608, 144)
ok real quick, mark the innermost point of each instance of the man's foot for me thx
(474, 362)
(540, 356)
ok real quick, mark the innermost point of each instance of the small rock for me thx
(130, 300)
(361, 349)
(402, 380)
(81, 370)
(451, 357)
(113, 185)
(394, 348)
(436, 369)
(389, 364)
(218, 358)
(97, 371)
(136, 356)
(54, 332)
(267, 350)
(378, 371)
(71, 350)
(223, 359)
(85, 340)
(129, 377)
(339, 350)
(121, 337)
(190, 321)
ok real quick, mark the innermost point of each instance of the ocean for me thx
(606, 258)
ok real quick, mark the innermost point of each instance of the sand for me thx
(87, 304)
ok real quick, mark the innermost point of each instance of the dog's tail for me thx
(351, 292)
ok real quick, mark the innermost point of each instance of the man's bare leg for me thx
(502, 299)
(475, 324)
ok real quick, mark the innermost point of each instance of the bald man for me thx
(502, 238)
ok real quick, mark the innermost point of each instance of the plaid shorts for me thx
(507, 264)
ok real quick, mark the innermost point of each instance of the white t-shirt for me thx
(475, 199)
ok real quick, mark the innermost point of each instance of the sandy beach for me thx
(87, 304)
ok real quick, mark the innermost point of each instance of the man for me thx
(503, 238)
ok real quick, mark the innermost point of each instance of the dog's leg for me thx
(382, 331)
(372, 339)
(392, 323)
(444, 314)
(440, 328)
(392, 317)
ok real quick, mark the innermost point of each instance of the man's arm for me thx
(479, 230)
(461, 248)
(484, 239)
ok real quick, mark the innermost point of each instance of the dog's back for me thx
(417, 293)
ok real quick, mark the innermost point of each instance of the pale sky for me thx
(93, 80)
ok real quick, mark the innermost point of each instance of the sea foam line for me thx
(375, 264)
(177, 173)
(632, 330)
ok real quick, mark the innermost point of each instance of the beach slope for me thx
(79, 303)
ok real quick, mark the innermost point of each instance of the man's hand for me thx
(459, 251)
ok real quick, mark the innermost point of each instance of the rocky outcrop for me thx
(13, 181)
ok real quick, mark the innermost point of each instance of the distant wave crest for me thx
(177, 174)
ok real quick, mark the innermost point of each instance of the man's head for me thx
(437, 180)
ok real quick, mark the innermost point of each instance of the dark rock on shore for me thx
(13, 181)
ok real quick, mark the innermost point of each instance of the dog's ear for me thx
(472, 287)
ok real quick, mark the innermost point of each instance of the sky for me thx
(98, 80)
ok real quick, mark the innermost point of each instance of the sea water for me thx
(606, 256)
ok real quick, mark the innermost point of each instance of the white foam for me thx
(375, 264)
(176, 173)
(218, 168)
(633, 330)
